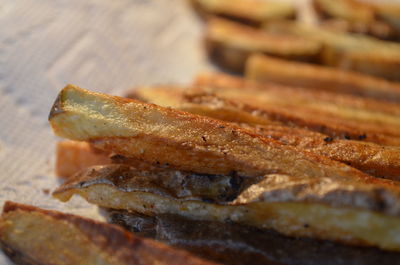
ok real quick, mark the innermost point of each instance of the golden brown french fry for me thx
(73, 156)
(268, 69)
(166, 96)
(332, 114)
(376, 160)
(347, 51)
(351, 211)
(31, 235)
(250, 11)
(230, 43)
(182, 140)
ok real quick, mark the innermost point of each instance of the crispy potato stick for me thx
(230, 43)
(347, 51)
(354, 212)
(185, 141)
(73, 156)
(373, 159)
(251, 11)
(335, 115)
(268, 69)
(224, 242)
(30, 235)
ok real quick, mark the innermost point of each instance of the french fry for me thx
(254, 12)
(230, 43)
(335, 115)
(268, 69)
(347, 51)
(73, 156)
(184, 141)
(353, 211)
(30, 235)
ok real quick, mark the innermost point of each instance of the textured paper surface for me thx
(103, 45)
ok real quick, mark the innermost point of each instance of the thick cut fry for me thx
(224, 242)
(182, 140)
(252, 11)
(376, 160)
(230, 44)
(264, 68)
(355, 212)
(29, 235)
(332, 114)
(373, 159)
(347, 51)
(73, 156)
(166, 96)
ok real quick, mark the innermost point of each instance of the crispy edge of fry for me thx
(110, 242)
(265, 68)
(189, 142)
(73, 156)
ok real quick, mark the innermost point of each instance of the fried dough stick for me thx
(30, 235)
(268, 69)
(277, 103)
(184, 141)
(351, 211)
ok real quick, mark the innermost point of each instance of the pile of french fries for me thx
(295, 162)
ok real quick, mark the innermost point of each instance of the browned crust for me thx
(319, 78)
(124, 246)
(297, 114)
(376, 160)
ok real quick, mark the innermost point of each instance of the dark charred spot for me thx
(208, 200)
(328, 139)
(204, 138)
(306, 225)
(347, 137)
(222, 127)
(362, 136)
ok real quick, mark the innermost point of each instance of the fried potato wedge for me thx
(230, 43)
(268, 69)
(354, 212)
(251, 11)
(224, 242)
(182, 140)
(166, 96)
(73, 156)
(30, 235)
(347, 51)
(332, 114)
